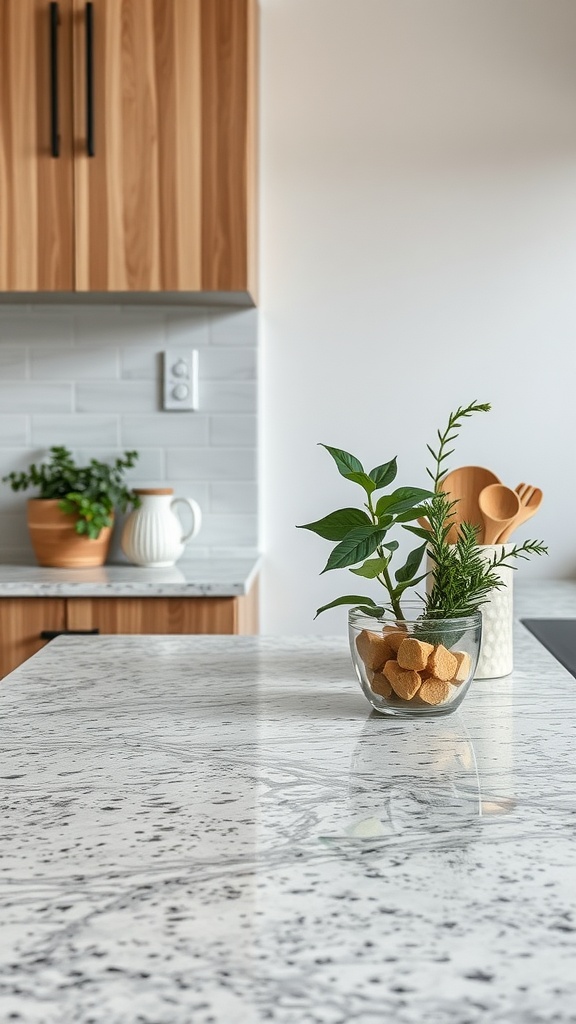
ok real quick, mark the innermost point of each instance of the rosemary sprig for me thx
(462, 577)
(447, 436)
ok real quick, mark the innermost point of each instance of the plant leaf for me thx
(375, 610)
(391, 546)
(409, 583)
(371, 568)
(348, 599)
(401, 500)
(411, 513)
(336, 525)
(384, 474)
(346, 463)
(355, 547)
(364, 480)
(411, 565)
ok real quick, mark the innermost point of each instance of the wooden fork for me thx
(530, 499)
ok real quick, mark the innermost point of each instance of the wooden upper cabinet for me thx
(154, 189)
(36, 170)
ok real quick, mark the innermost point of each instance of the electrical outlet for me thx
(180, 379)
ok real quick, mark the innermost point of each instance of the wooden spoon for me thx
(530, 501)
(464, 485)
(500, 506)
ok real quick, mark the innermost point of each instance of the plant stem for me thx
(384, 576)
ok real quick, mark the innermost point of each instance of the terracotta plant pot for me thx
(55, 541)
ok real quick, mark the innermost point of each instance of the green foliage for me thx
(362, 533)
(89, 493)
(450, 435)
(462, 577)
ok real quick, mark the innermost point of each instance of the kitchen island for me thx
(217, 830)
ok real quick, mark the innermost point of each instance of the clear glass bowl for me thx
(428, 675)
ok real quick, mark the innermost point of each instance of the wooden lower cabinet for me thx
(164, 614)
(24, 619)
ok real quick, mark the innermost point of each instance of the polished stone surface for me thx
(217, 830)
(202, 577)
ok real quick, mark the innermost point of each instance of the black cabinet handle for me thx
(55, 132)
(51, 634)
(90, 147)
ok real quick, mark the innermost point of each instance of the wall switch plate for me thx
(180, 379)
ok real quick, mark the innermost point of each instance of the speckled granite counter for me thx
(203, 577)
(208, 830)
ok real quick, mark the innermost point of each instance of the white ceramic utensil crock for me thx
(153, 535)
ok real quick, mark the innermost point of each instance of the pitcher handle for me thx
(196, 517)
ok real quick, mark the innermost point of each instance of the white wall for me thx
(418, 251)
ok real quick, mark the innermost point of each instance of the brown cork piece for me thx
(464, 666)
(434, 691)
(373, 648)
(405, 682)
(380, 685)
(414, 654)
(394, 637)
(442, 664)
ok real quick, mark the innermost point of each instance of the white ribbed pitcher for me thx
(153, 535)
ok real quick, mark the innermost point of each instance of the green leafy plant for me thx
(89, 493)
(362, 532)
(462, 577)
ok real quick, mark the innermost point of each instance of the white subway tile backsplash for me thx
(19, 326)
(234, 328)
(14, 430)
(13, 363)
(173, 429)
(228, 364)
(147, 472)
(15, 530)
(119, 328)
(74, 430)
(184, 331)
(229, 529)
(235, 496)
(228, 396)
(15, 460)
(35, 396)
(74, 364)
(117, 396)
(13, 555)
(89, 377)
(210, 464)
(140, 364)
(233, 431)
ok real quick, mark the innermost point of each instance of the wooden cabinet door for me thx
(229, 63)
(138, 197)
(165, 203)
(36, 186)
(22, 620)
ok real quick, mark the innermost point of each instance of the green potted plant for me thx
(440, 630)
(70, 521)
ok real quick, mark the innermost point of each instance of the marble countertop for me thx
(202, 577)
(217, 830)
